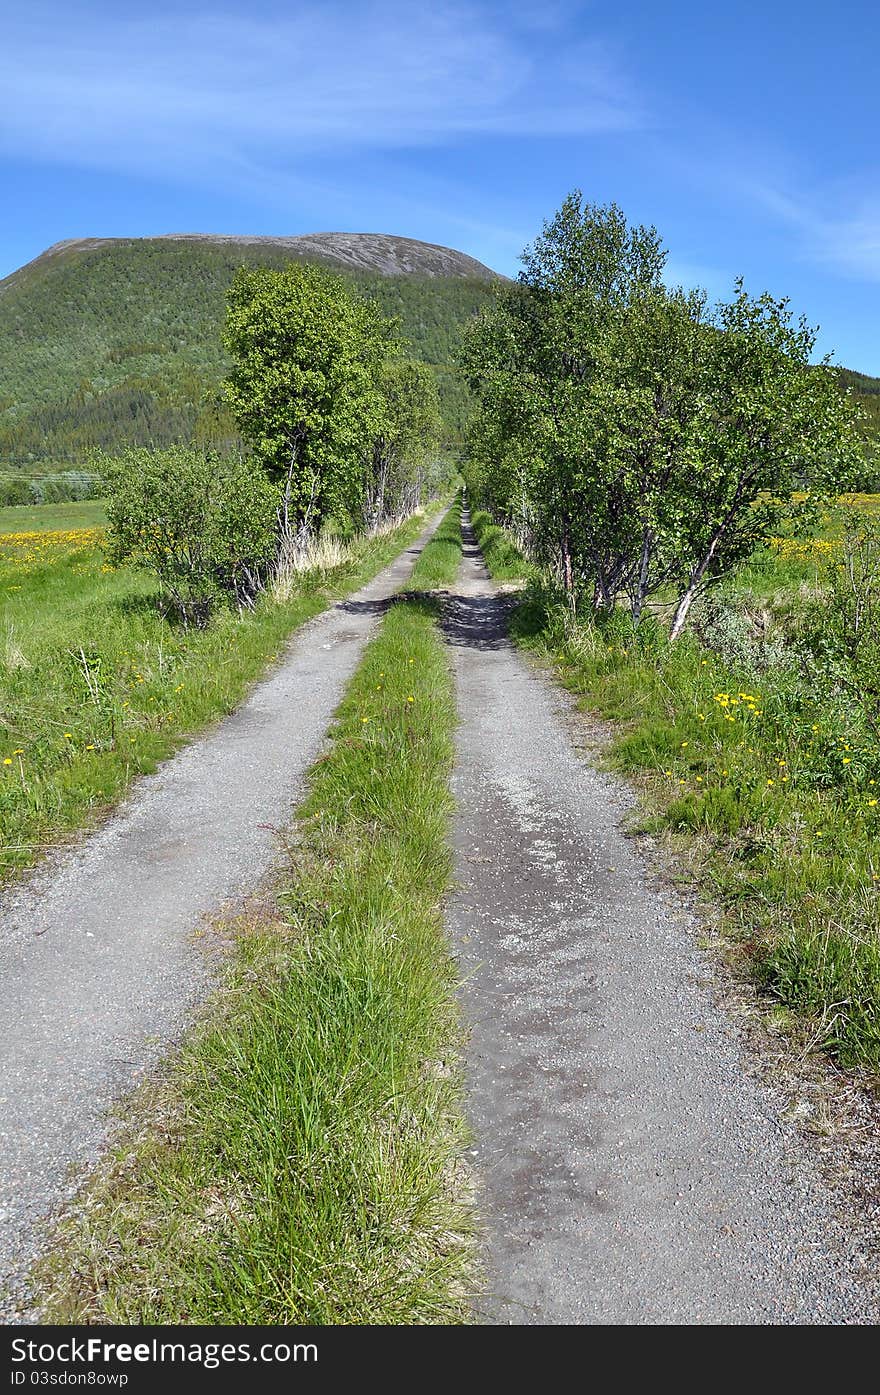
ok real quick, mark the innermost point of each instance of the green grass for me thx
(302, 1162)
(438, 565)
(96, 687)
(25, 518)
(504, 560)
(769, 796)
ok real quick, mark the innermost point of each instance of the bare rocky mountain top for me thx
(376, 252)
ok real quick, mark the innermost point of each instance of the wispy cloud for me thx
(227, 95)
(836, 227)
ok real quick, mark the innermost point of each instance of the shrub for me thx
(14, 490)
(203, 524)
(67, 487)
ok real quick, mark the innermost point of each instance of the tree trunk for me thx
(686, 600)
(567, 566)
(601, 593)
(641, 590)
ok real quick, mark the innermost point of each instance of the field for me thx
(758, 760)
(96, 686)
(42, 518)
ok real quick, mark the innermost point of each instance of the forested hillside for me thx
(867, 392)
(105, 344)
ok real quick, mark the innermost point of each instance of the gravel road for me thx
(633, 1171)
(99, 969)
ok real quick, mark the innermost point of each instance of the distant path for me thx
(97, 966)
(634, 1172)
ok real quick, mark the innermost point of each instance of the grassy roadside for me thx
(770, 801)
(301, 1163)
(504, 560)
(96, 687)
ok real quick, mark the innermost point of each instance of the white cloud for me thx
(228, 96)
(851, 244)
(833, 225)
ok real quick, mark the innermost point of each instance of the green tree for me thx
(406, 437)
(773, 423)
(535, 360)
(641, 442)
(303, 387)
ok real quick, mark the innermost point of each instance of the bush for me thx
(14, 490)
(203, 524)
(69, 486)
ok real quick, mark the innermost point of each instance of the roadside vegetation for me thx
(302, 1163)
(118, 642)
(97, 685)
(637, 441)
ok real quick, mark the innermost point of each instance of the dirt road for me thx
(633, 1171)
(99, 969)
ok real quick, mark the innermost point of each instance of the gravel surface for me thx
(633, 1172)
(98, 963)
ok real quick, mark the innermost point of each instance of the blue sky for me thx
(746, 132)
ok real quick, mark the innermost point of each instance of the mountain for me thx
(866, 392)
(105, 341)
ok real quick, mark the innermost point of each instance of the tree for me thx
(642, 442)
(535, 361)
(406, 434)
(305, 353)
(773, 423)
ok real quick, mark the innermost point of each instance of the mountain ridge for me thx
(385, 254)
